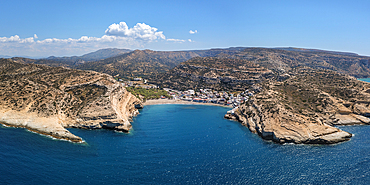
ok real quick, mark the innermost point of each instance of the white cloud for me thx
(16, 39)
(175, 40)
(139, 31)
(116, 35)
(193, 32)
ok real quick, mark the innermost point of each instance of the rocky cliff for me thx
(49, 99)
(306, 107)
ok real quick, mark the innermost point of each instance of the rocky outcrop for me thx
(50, 126)
(306, 108)
(47, 100)
(111, 110)
(280, 125)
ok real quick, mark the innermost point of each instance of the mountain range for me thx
(150, 64)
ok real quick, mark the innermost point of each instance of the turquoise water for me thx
(364, 79)
(180, 144)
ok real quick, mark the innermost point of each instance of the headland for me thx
(47, 100)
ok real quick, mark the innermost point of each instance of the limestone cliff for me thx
(306, 107)
(47, 100)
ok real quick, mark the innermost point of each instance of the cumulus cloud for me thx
(139, 31)
(16, 39)
(116, 35)
(193, 32)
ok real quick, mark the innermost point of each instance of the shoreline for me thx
(180, 102)
(43, 133)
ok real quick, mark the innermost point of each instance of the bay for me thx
(180, 144)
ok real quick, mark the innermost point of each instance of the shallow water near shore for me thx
(180, 144)
(364, 79)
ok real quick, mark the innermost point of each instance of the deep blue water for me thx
(180, 144)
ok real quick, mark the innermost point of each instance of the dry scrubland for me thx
(48, 99)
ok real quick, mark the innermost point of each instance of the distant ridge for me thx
(150, 64)
(104, 53)
(316, 50)
(142, 63)
(93, 56)
(5, 56)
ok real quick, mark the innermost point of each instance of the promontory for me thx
(47, 100)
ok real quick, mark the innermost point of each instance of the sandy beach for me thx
(172, 101)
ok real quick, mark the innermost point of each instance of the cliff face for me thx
(306, 107)
(272, 121)
(47, 100)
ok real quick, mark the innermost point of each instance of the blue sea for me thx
(180, 144)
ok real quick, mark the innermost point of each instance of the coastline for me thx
(181, 102)
(58, 136)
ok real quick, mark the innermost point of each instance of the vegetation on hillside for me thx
(221, 74)
(152, 64)
(147, 94)
(307, 90)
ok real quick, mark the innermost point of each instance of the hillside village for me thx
(227, 98)
(211, 96)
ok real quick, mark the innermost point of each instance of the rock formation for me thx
(306, 107)
(49, 99)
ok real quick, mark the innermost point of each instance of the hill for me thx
(5, 56)
(103, 54)
(153, 64)
(147, 63)
(49, 99)
(73, 61)
(305, 107)
(143, 63)
(282, 59)
(212, 73)
(93, 56)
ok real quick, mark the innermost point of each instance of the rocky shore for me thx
(50, 126)
(306, 108)
(283, 126)
(47, 100)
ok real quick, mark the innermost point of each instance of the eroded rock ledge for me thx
(306, 108)
(282, 126)
(47, 100)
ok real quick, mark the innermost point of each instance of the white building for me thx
(190, 91)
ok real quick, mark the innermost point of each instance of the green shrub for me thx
(147, 93)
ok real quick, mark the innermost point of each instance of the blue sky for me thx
(65, 28)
